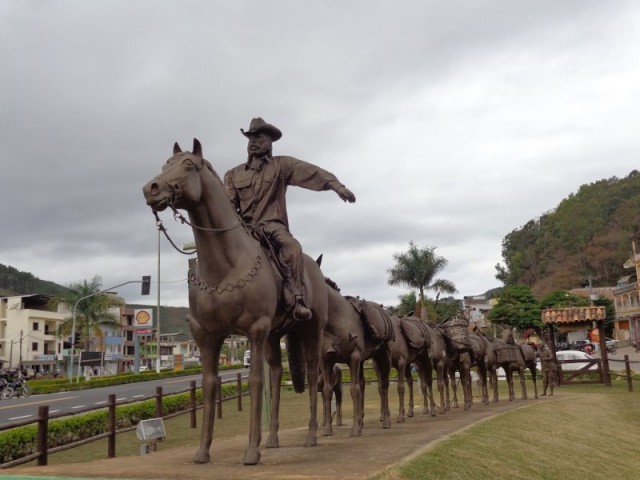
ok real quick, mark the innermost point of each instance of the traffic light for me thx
(76, 340)
(146, 284)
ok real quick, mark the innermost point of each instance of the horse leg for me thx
(493, 379)
(258, 340)
(337, 390)
(400, 369)
(532, 369)
(362, 387)
(210, 347)
(357, 394)
(382, 366)
(508, 372)
(312, 344)
(445, 382)
(482, 370)
(465, 379)
(274, 359)
(409, 378)
(523, 383)
(327, 393)
(426, 385)
(454, 387)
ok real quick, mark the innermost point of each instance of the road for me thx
(17, 409)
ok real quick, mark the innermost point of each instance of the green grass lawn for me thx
(593, 432)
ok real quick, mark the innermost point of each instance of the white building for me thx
(28, 328)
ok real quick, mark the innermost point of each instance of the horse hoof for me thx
(312, 441)
(356, 432)
(201, 456)
(328, 431)
(400, 420)
(386, 424)
(272, 441)
(251, 456)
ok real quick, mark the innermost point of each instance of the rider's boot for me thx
(300, 310)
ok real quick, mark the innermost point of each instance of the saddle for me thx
(376, 320)
(415, 332)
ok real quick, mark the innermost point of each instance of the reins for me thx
(179, 217)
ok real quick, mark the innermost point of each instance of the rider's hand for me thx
(345, 194)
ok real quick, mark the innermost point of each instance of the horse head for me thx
(179, 184)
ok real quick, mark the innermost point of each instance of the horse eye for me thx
(189, 163)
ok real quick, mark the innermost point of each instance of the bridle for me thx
(177, 216)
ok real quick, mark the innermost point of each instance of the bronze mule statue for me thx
(516, 357)
(235, 290)
(350, 339)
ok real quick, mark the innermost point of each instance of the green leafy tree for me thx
(517, 307)
(563, 299)
(407, 304)
(417, 268)
(91, 313)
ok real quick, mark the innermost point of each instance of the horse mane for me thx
(332, 284)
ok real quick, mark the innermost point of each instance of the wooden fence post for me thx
(219, 397)
(627, 367)
(111, 448)
(193, 403)
(159, 402)
(43, 431)
(239, 388)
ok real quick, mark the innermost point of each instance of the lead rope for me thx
(160, 226)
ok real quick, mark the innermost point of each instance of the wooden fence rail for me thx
(43, 417)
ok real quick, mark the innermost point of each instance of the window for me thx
(36, 326)
(34, 346)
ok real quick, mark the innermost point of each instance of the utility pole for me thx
(11, 356)
(20, 365)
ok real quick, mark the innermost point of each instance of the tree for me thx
(407, 304)
(91, 313)
(517, 307)
(417, 268)
(563, 299)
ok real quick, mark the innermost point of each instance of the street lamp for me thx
(73, 324)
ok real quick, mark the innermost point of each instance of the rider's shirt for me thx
(258, 188)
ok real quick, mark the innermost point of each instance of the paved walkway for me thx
(337, 457)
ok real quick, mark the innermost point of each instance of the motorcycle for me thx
(20, 388)
(636, 345)
(6, 390)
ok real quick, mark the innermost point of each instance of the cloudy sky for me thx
(453, 123)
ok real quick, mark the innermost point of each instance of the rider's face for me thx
(259, 144)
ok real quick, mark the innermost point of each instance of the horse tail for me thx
(296, 361)
(337, 389)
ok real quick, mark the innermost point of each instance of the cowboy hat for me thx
(259, 125)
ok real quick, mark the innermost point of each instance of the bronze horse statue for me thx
(409, 346)
(437, 360)
(236, 290)
(351, 339)
(335, 378)
(516, 357)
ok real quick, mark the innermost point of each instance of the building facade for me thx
(29, 333)
(626, 297)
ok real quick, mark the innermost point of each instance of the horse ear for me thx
(197, 148)
(319, 260)
(176, 148)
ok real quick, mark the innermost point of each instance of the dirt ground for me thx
(336, 457)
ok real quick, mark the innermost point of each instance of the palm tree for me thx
(417, 268)
(91, 313)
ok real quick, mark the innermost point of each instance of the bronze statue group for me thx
(253, 279)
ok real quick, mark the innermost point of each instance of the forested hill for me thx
(588, 236)
(15, 282)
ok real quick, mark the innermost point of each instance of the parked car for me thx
(246, 361)
(573, 355)
(611, 343)
(582, 344)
